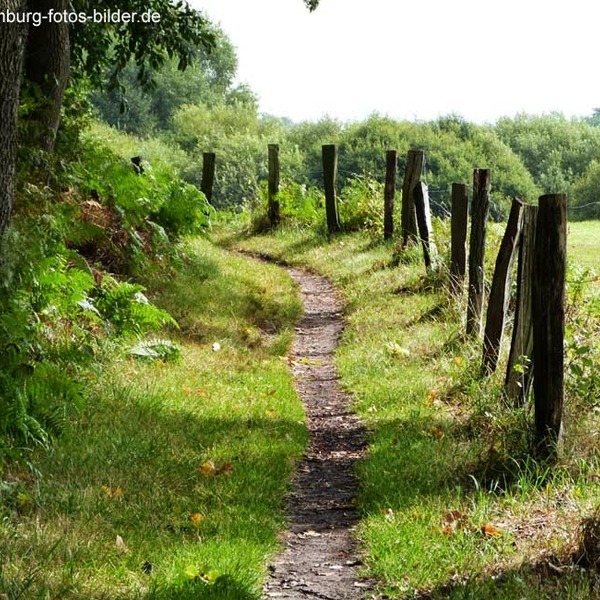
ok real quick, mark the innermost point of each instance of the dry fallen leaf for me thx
(112, 492)
(453, 521)
(207, 469)
(488, 529)
(196, 519)
(226, 467)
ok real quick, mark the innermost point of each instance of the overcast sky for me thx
(416, 60)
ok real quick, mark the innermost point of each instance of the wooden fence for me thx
(534, 238)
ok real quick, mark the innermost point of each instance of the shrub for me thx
(361, 204)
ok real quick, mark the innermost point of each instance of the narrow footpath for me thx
(320, 559)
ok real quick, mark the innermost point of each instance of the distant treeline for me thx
(201, 110)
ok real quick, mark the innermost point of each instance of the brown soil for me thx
(320, 558)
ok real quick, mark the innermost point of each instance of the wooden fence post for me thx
(519, 370)
(479, 217)
(208, 174)
(458, 227)
(391, 157)
(412, 175)
(273, 202)
(330, 162)
(549, 322)
(421, 202)
(500, 291)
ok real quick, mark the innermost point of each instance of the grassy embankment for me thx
(451, 504)
(170, 483)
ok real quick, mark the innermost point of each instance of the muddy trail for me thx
(320, 559)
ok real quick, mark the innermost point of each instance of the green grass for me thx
(170, 484)
(583, 244)
(448, 465)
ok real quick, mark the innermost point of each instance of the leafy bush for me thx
(298, 204)
(361, 205)
(586, 193)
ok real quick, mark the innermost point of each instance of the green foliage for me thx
(137, 109)
(54, 318)
(164, 350)
(59, 309)
(126, 309)
(140, 201)
(184, 211)
(298, 204)
(586, 194)
(181, 31)
(239, 137)
(582, 350)
(452, 146)
(555, 150)
(360, 205)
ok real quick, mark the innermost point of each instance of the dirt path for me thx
(320, 559)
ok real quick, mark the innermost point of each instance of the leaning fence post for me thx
(458, 244)
(549, 322)
(412, 175)
(208, 175)
(519, 370)
(330, 162)
(421, 201)
(479, 216)
(500, 291)
(273, 202)
(391, 157)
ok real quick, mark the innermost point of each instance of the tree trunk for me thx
(47, 64)
(12, 43)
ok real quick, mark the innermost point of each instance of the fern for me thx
(156, 350)
(125, 307)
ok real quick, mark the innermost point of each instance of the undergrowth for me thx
(89, 230)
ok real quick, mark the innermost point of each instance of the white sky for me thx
(480, 59)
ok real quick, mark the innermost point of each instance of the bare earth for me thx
(320, 559)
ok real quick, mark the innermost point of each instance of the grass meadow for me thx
(452, 504)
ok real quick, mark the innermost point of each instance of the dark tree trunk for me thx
(12, 43)
(47, 64)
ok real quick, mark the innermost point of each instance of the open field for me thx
(583, 244)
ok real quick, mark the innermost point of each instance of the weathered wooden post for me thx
(391, 160)
(458, 232)
(330, 163)
(500, 291)
(208, 174)
(412, 175)
(421, 201)
(519, 371)
(549, 322)
(273, 191)
(479, 216)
